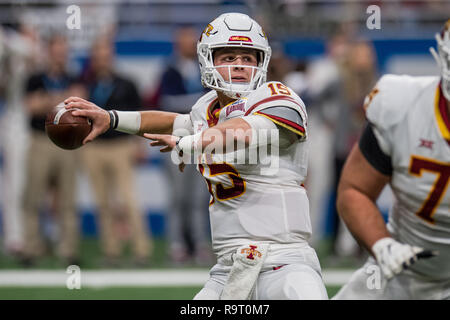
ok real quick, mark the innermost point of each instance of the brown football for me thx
(66, 130)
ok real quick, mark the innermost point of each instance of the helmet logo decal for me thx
(240, 38)
(208, 30)
(263, 33)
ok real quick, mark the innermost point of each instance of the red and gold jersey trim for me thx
(291, 126)
(440, 108)
(212, 116)
(270, 99)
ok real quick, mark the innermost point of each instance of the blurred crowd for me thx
(333, 88)
(39, 212)
(40, 216)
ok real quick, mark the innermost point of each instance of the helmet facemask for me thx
(442, 57)
(211, 77)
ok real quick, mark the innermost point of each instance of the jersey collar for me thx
(213, 112)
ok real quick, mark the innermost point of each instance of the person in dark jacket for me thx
(110, 161)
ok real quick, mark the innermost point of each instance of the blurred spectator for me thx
(279, 66)
(19, 55)
(337, 85)
(296, 78)
(359, 75)
(324, 94)
(188, 213)
(49, 167)
(99, 18)
(110, 162)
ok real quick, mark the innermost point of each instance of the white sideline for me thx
(131, 278)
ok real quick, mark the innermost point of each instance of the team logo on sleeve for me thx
(236, 106)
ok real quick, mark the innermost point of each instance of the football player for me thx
(406, 144)
(259, 211)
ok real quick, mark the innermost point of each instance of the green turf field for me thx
(91, 259)
(125, 293)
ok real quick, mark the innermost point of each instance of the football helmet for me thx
(442, 57)
(232, 30)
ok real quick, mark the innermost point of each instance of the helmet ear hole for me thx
(260, 57)
(213, 54)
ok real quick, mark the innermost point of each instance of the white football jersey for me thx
(411, 126)
(263, 200)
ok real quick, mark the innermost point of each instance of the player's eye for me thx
(249, 59)
(229, 58)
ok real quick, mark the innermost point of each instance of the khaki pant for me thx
(46, 162)
(111, 170)
(188, 208)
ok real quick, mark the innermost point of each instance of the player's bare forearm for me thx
(157, 122)
(359, 187)
(361, 216)
(229, 135)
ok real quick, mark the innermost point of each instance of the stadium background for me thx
(297, 30)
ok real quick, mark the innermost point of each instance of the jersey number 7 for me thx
(416, 167)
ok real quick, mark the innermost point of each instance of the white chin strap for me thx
(236, 90)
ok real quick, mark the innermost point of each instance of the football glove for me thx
(393, 257)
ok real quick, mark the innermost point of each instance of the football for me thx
(66, 130)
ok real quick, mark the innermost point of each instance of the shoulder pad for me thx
(281, 105)
(274, 94)
(388, 102)
(204, 101)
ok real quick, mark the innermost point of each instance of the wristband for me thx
(113, 119)
(178, 149)
(125, 121)
(189, 144)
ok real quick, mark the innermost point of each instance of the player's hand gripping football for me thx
(393, 257)
(98, 116)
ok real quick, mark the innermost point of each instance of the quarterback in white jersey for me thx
(406, 144)
(247, 138)
(263, 200)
